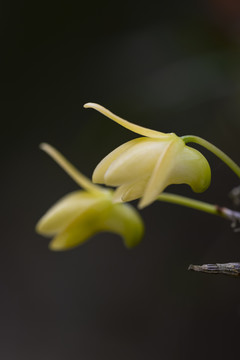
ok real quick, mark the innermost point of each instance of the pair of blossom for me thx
(141, 168)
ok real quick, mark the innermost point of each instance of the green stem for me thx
(188, 202)
(216, 151)
(200, 205)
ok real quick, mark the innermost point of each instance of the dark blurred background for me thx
(171, 66)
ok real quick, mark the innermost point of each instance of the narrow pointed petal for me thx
(60, 215)
(79, 178)
(135, 162)
(125, 221)
(128, 125)
(160, 176)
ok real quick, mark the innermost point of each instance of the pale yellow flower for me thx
(144, 167)
(81, 214)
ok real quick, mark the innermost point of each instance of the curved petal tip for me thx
(91, 105)
(128, 125)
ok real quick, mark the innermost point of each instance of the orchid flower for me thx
(144, 167)
(83, 213)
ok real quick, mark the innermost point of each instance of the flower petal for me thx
(80, 179)
(65, 211)
(82, 228)
(128, 125)
(130, 191)
(121, 219)
(100, 170)
(69, 239)
(191, 168)
(125, 221)
(136, 162)
(160, 176)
